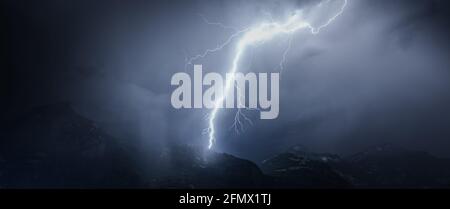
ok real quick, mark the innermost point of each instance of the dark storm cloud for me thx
(378, 74)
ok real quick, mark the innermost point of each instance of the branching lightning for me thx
(250, 37)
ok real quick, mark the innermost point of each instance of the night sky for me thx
(379, 74)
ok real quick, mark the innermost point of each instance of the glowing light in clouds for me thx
(253, 36)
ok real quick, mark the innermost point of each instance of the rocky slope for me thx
(52, 146)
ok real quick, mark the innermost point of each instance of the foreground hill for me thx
(383, 166)
(54, 147)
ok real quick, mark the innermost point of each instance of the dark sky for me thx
(379, 74)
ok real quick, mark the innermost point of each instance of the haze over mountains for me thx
(54, 147)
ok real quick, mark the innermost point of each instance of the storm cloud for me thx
(378, 74)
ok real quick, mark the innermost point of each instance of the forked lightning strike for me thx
(251, 37)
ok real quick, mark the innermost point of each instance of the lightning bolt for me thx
(253, 36)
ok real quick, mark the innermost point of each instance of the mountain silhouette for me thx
(52, 146)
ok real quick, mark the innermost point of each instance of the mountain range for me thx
(54, 147)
